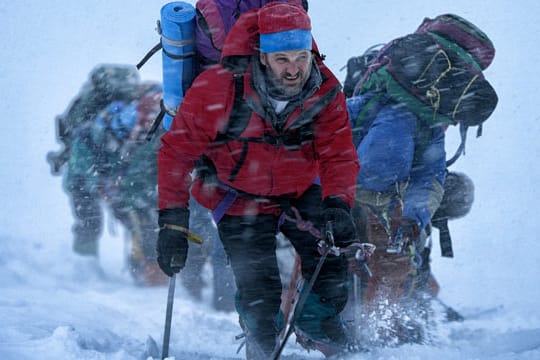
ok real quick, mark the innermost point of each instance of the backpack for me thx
(212, 22)
(123, 123)
(357, 66)
(436, 72)
(135, 118)
(106, 83)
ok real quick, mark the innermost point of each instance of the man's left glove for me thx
(338, 213)
(172, 246)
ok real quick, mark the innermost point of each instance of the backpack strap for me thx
(461, 149)
(445, 240)
(238, 121)
(240, 114)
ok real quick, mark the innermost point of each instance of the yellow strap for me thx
(190, 236)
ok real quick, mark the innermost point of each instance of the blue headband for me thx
(285, 41)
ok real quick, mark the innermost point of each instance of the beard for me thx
(284, 84)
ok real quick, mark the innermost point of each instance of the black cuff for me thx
(177, 216)
(335, 202)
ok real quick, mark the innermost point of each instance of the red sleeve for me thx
(338, 161)
(201, 114)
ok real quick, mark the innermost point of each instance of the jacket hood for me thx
(242, 42)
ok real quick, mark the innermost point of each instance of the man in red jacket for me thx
(270, 131)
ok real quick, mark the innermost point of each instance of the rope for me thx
(303, 225)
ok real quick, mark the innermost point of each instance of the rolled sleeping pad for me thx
(178, 50)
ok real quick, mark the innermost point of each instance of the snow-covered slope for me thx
(54, 306)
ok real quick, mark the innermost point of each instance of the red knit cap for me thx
(284, 26)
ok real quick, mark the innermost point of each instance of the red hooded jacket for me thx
(267, 170)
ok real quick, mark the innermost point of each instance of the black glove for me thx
(172, 246)
(338, 213)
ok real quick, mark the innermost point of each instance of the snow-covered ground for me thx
(54, 306)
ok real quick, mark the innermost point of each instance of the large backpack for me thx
(135, 117)
(121, 125)
(436, 72)
(213, 21)
(106, 83)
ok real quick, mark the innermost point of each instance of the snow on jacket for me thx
(397, 152)
(268, 170)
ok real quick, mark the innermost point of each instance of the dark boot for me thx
(84, 243)
(256, 351)
(319, 327)
(259, 346)
(88, 222)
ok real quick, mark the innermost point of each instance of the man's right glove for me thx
(172, 246)
(338, 213)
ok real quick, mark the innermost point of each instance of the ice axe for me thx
(152, 349)
(168, 313)
(176, 262)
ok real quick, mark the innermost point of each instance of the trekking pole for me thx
(168, 313)
(304, 294)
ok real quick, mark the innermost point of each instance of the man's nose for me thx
(292, 69)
